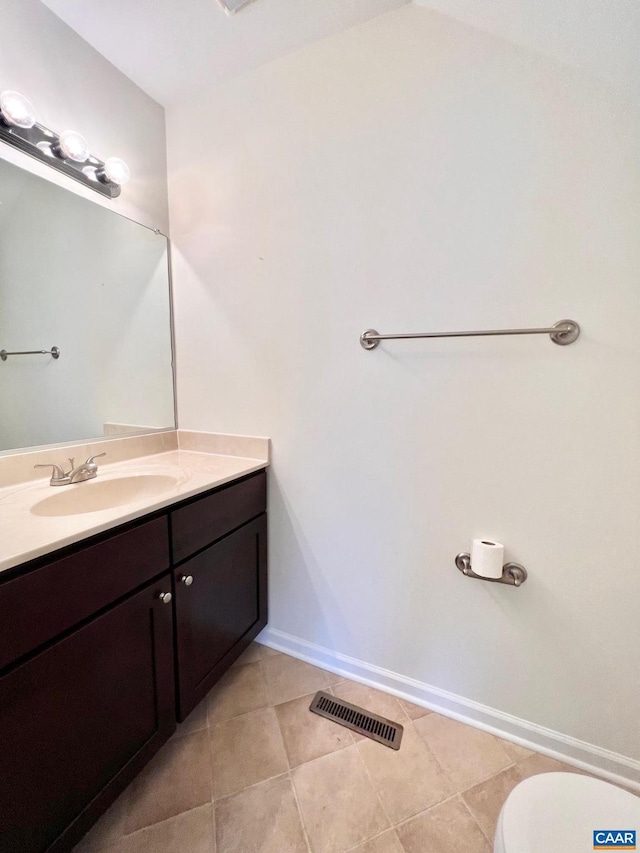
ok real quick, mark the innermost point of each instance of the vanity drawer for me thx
(42, 604)
(200, 523)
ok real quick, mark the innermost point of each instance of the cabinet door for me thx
(220, 610)
(79, 719)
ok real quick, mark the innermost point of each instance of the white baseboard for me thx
(586, 756)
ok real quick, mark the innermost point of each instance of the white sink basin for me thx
(97, 495)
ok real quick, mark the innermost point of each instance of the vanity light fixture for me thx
(233, 6)
(67, 152)
(72, 146)
(115, 171)
(16, 110)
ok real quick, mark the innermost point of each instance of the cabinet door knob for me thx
(187, 580)
(164, 597)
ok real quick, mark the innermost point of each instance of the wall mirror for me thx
(94, 285)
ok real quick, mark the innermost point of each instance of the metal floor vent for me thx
(377, 728)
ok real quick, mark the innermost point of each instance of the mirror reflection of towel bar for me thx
(54, 352)
(562, 333)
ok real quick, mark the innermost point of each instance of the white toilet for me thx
(559, 813)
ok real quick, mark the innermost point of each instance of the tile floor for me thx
(253, 771)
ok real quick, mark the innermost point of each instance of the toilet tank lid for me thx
(561, 812)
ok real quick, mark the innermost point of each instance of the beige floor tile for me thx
(240, 690)
(109, 829)
(254, 653)
(467, 754)
(485, 800)
(517, 752)
(408, 780)
(382, 704)
(388, 842)
(288, 678)
(446, 828)
(414, 712)
(538, 763)
(246, 750)
(261, 819)
(339, 805)
(190, 832)
(266, 651)
(307, 736)
(177, 778)
(195, 722)
(334, 678)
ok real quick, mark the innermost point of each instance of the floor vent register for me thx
(358, 719)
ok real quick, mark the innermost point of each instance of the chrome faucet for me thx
(87, 471)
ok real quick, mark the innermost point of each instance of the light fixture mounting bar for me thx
(38, 141)
(233, 6)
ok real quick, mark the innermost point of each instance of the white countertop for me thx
(24, 535)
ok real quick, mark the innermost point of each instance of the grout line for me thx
(150, 826)
(473, 818)
(213, 827)
(448, 776)
(282, 741)
(424, 811)
(374, 838)
(213, 804)
(486, 778)
(214, 723)
(300, 815)
(513, 763)
(248, 787)
(420, 811)
(375, 789)
(265, 681)
(407, 718)
(432, 753)
(306, 692)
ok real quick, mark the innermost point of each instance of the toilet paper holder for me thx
(512, 573)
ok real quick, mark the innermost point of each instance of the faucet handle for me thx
(91, 458)
(90, 466)
(56, 474)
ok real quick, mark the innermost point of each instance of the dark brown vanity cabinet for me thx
(220, 606)
(92, 707)
(98, 643)
(82, 711)
(221, 586)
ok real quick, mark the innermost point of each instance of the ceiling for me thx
(598, 36)
(168, 47)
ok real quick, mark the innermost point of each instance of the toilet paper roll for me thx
(487, 558)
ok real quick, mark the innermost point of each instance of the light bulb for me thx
(115, 171)
(17, 110)
(72, 146)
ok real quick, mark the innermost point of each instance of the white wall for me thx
(414, 174)
(72, 86)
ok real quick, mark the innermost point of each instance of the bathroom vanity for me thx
(107, 642)
(125, 596)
